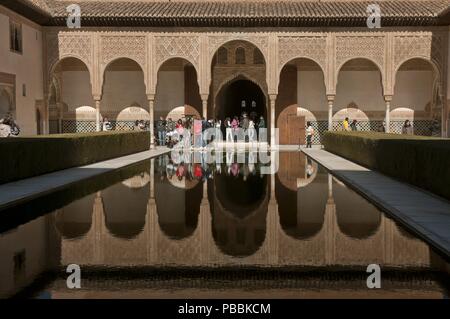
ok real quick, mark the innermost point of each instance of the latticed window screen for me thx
(421, 127)
(222, 56)
(73, 126)
(240, 56)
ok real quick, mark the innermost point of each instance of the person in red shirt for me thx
(198, 172)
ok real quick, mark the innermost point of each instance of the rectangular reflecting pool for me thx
(174, 229)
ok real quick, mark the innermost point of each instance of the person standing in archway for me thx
(251, 131)
(309, 134)
(235, 127)
(106, 125)
(261, 124)
(161, 128)
(354, 126)
(346, 124)
(228, 130)
(245, 124)
(407, 128)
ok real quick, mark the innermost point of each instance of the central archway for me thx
(238, 96)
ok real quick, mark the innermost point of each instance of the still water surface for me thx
(158, 229)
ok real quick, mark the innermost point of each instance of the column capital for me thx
(273, 97)
(204, 97)
(387, 98)
(330, 98)
(97, 97)
(151, 97)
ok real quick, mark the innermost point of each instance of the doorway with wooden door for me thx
(291, 126)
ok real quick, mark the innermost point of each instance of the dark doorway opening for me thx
(229, 101)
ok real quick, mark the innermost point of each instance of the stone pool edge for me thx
(19, 192)
(420, 229)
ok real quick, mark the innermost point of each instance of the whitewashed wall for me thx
(26, 66)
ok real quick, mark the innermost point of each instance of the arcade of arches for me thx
(239, 75)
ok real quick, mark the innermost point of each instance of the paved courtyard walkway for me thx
(426, 215)
(26, 189)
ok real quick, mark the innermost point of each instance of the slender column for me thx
(151, 111)
(152, 228)
(388, 99)
(272, 225)
(152, 178)
(330, 99)
(206, 237)
(272, 97)
(99, 228)
(330, 224)
(205, 105)
(97, 114)
(330, 186)
(45, 116)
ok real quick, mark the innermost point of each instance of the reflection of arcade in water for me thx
(301, 216)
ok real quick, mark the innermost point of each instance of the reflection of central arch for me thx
(238, 196)
(235, 236)
(230, 96)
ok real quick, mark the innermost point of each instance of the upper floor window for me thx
(240, 56)
(15, 37)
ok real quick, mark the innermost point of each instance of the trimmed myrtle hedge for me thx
(418, 160)
(31, 156)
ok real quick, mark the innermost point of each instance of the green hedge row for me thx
(31, 156)
(421, 161)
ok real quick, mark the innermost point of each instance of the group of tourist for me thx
(8, 127)
(407, 127)
(169, 132)
(353, 126)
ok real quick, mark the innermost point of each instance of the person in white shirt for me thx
(251, 131)
(309, 134)
(106, 124)
(228, 130)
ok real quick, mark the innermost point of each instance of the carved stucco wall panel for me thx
(123, 46)
(314, 48)
(62, 45)
(187, 47)
(427, 47)
(368, 47)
